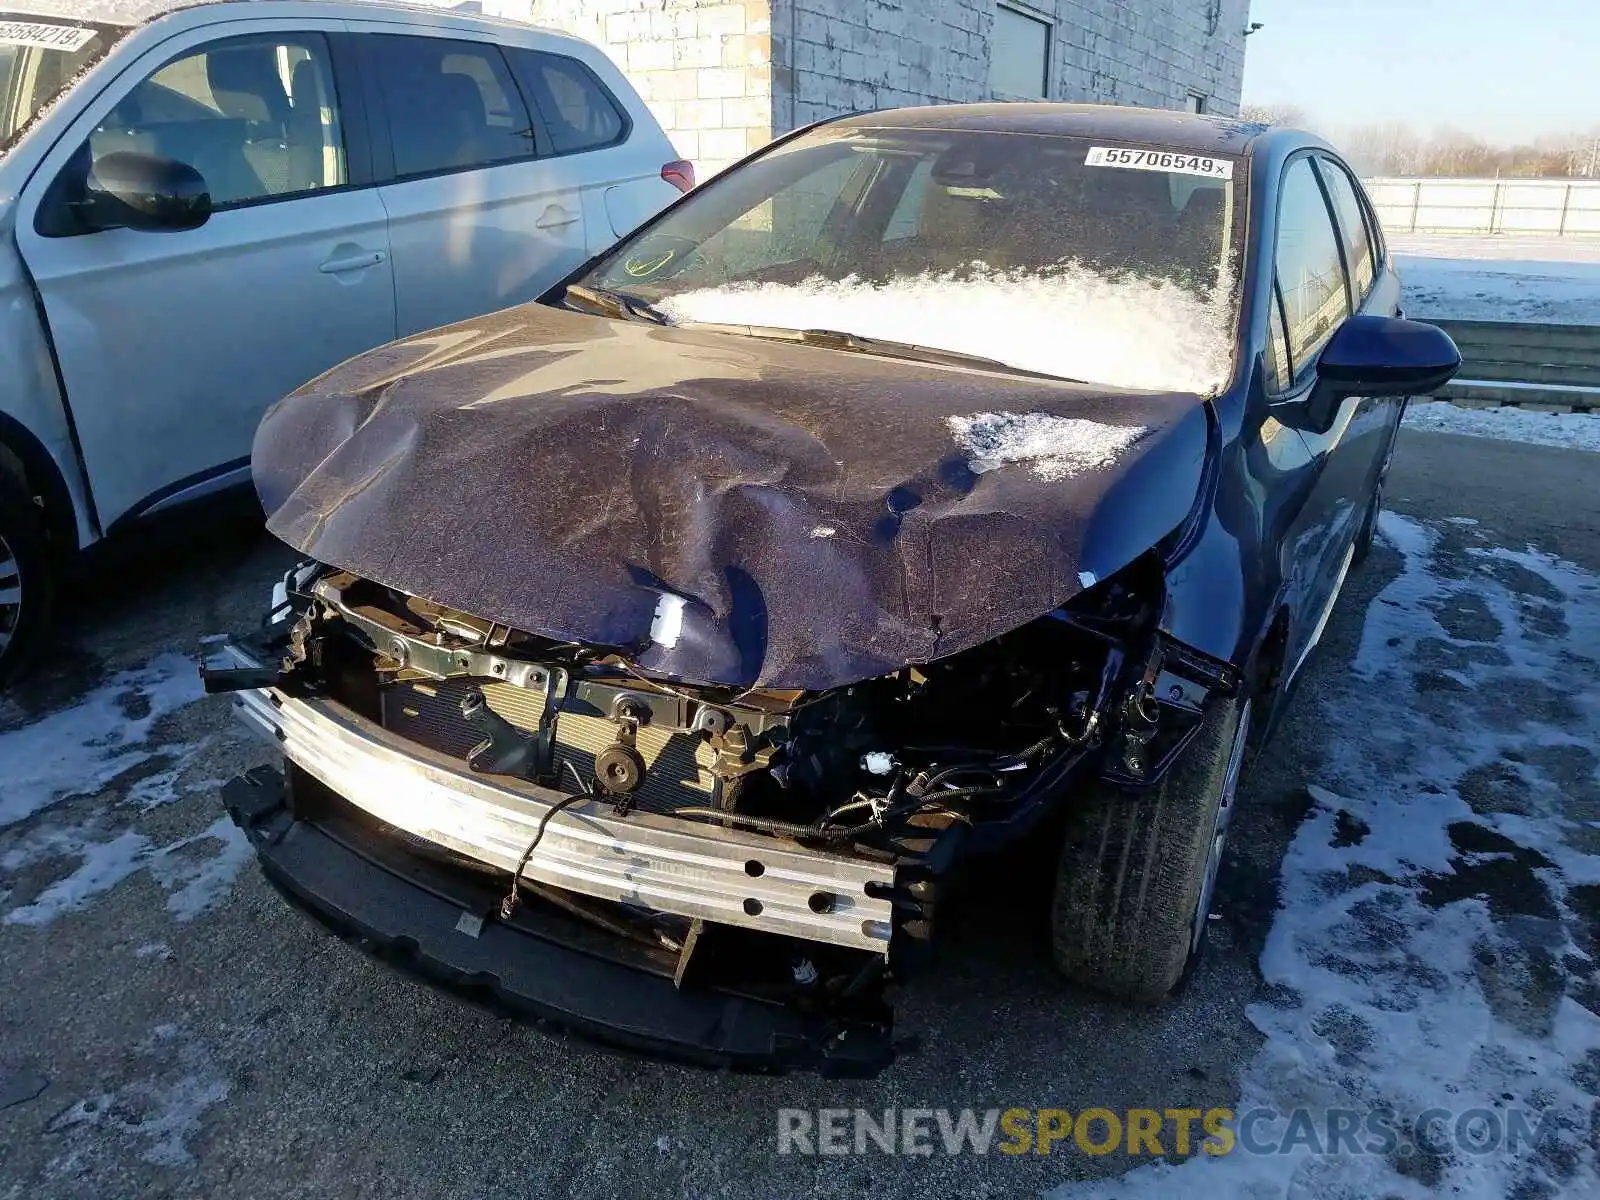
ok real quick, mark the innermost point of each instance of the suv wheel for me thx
(1134, 885)
(25, 580)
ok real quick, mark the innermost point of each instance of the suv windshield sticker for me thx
(67, 38)
(1160, 160)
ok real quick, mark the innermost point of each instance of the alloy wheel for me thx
(10, 594)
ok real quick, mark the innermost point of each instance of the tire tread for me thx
(1131, 871)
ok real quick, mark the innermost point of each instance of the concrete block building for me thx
(725, 76)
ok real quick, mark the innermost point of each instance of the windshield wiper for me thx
(838, 339)
(615, 304)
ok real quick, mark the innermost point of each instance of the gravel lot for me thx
(169, 1027)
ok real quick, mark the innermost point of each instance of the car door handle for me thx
(355, 262)
(556, 217)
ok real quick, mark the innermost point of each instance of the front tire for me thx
(1134, 884)
(26, 581)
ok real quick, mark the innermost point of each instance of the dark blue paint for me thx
(1296, 473)
(1376, 354)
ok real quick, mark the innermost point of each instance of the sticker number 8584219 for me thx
(66, 38)
(1160, 160)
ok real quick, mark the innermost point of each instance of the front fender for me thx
(1225, 587)
(34, 421)
(1158, 495)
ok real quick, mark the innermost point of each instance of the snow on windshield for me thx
(1071, 322)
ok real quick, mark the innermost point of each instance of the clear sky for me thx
(1503, 70)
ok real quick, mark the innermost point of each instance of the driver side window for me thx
(256, 116)
(1310, 271)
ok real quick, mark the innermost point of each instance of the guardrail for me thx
(1558, 207)
(1546, 368)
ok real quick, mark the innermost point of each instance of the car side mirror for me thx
(133, 190)
(1378, 356)
(1388, 356)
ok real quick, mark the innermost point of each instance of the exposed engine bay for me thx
(962, 741)
(908, 773)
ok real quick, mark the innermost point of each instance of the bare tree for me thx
(1394, 148)
(1387, 149)
(1275, 114)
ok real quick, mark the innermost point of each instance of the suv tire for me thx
(26, 583)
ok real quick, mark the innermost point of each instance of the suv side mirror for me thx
(1378, 356)
(132, 190)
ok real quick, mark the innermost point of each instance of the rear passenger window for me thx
(578, 111)
(1310, 274)
(1357, 241)
(452, 105)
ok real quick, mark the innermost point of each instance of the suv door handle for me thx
(336, 266)
(555, 217)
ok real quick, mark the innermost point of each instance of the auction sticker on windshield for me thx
(68, 38)
(1173, 161)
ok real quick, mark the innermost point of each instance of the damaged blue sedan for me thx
(930, 483)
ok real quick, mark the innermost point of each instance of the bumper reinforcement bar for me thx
(689, 869)
(363, 894)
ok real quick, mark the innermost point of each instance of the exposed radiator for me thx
(677, 764)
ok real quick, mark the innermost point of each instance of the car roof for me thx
(141, 12)
(1152, 126)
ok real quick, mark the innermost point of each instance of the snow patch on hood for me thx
(1055, 447)
(1072, 322)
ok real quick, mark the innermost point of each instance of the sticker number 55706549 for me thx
(1160, 160)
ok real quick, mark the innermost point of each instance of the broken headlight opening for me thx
(831, 820)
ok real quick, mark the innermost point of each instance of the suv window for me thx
(578, 111)
(256, 116)
(1357, 239)
(452, 105)
(1310, 272)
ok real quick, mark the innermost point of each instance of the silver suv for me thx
(202, 206)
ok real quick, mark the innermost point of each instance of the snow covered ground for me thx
(1435, 949)
(1548, 280)
(1576, 431)
(81, 750)
(1538, 280)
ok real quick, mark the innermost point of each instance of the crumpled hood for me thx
(725, 509)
